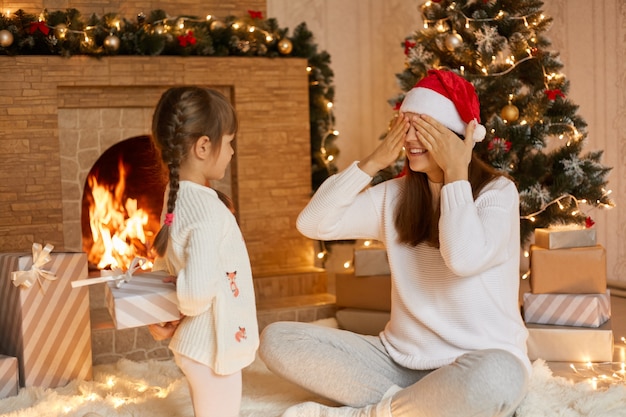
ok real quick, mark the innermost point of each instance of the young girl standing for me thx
(203, 247)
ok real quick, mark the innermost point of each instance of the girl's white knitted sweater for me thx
(207, 253)
(444, 302)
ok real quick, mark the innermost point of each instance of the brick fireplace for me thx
(58, 115)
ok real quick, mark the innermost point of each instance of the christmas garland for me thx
(66, 33)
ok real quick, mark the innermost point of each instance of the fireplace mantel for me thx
(43, 173)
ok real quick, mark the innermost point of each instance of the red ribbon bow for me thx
(589, 222)
(188, 39)
(553, 94)
(39, 26)
(408, 45)
(255, 14)
(499, 144)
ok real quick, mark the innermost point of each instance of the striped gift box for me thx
(9, 379)
(144, 300)
(47, 326)
(583, 310)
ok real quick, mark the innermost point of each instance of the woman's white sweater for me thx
(444, 302)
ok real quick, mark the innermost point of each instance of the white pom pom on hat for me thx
(447, 97)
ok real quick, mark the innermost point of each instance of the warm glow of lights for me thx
(320, 255)
(209, 17)
(110, 382)
(117, 226)
(367, 243)
(336, 132)
(118, 402)
(330, 158)
(329, 104)
(347, 264)
(526, 254)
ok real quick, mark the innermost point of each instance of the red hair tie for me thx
(169, 218)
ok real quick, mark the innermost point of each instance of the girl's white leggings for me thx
(212, 395)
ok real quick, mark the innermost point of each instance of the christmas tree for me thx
(534, 133)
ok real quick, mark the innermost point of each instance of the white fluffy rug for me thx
(158, 389)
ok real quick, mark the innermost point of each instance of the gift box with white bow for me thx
(143, 300)
(44, 322)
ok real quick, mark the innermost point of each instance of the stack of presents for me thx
(567, 309)
(45, 327)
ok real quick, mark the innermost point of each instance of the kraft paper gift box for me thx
(568, 271)
(570, 344)
(371, 260)
(561, 238)
(9, 376)
(365, 292)
(582, 310)
(44, 322)
(145, 299)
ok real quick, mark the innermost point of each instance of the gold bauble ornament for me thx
(112, 43)
(510, 113)
(60, 30)
(453, 41)
(6, 38)
(285, 46)
(217, 24)
(158, 29)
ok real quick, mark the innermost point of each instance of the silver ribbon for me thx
(124, 277)
(41, 256)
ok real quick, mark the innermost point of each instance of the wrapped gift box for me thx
(583, 310)
(9, 376)
(560, 238)
(145, 299)
(570, 344)
(364, 292)
(568, 271)
(371, 260)
(46, 326)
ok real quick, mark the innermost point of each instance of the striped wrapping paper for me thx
(9, 379)
(583, 310)
(144, 300)
(47, 326)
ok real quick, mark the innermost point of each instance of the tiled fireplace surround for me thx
(59, 115)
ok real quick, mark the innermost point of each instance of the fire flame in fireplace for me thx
(118, 226)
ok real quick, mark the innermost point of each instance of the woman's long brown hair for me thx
(417, 218)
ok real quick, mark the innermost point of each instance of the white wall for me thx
(364, 40)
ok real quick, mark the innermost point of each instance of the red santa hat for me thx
(447, 97)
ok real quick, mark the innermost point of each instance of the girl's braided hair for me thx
(182, 115)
